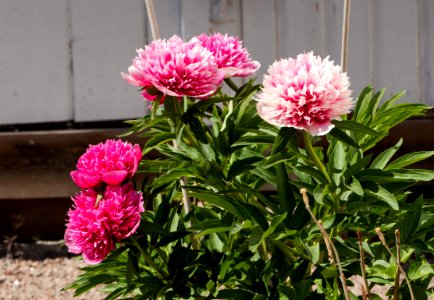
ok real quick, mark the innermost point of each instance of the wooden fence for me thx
(61, 59)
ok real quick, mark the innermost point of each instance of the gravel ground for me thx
(40, 279)
(41, 271)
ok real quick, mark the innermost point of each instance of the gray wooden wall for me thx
(60, 60)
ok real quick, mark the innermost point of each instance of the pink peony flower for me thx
(96, 223)
(175, 68)
(111, 162)
(232, 58)
(304, 93)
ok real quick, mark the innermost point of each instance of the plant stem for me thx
(398, 261)
(152, 19)
(311, 152)
(365, 287)
(345, 35)
(328, 241)
(383, 242)
(231, 84)
(149, 261)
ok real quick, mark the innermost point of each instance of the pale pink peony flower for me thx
(304, 93)
(175, 68)
(232, 58)
(110, 162)
(96, 223)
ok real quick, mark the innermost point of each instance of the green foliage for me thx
(249, 234)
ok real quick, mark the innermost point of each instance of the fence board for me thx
(395, 47)
(105, 34)
(168, 15)
(200, 16)
(34, 60)
(260, 36)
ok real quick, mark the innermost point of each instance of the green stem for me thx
(149, 261)
(231, 84)
(311, 152)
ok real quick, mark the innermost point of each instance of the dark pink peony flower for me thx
(304, 93)
(96, 223)
(232, 58)
(110, 162)
(175, 68)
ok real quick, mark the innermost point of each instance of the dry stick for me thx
(183, 181)
(345, 35)
(383, 242)
(366, 293)
(328, 241)
(398, 261)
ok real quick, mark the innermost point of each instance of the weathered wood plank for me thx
(168, 17)
(259, 35)
(395, 47)
(105, 34)
(300, 25)
(34, 60)
(360, 60)
(37, 164)
(200, 16)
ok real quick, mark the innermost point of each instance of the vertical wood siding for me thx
(60, 60)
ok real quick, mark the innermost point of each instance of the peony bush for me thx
(271, 191)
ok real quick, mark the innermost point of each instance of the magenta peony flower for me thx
(111, 162)
(175, 68)
(96, 223)
(232, 58)
(304, 93)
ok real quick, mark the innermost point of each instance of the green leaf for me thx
(313, 172)
(410, 222)
(273, 225)
(242, 165)
(409, 159)
(356, 187)
(283, 137)
(198, 129)
(313, 252)
(362, 102)
(343, 137)
(413, 175)
(92, 281)
(158, 139)
(389, 103)
(238, 294)
(221, 201)
(284, 194)
(254, 140)
(354, 126)
(384, 195)
(381, 160)
(419, 270)
(279, 157)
